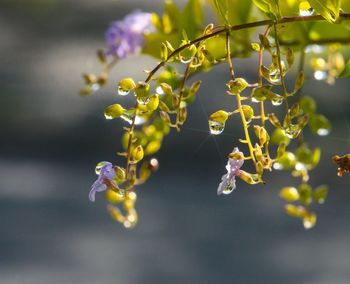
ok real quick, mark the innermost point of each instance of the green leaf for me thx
(328, 9)
(219, 116)
(289, 193)
(279, 136)
(346, 71)
(305, 194)
(320, 194)
(222, 8)
(308, 105)
(114, 111)
(192, 18)
(238, 15)
(269, 7)
(320, 125)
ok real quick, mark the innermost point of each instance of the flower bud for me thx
(114, 111)
(248, 112)
(142, 90)
(219, 116)
(126, 85)
(236, 86)
(289, 193)
(137, 153)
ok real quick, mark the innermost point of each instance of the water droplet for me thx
(275, 74)
(128, 116)
(127, 224)
(159, 90)
(254, 100)
(306, 12)
(320, 75)
(215, 127)
(108, 116)
(122, 92)
(131, 218)
(275, 79)
(277, 101)
(99, 166)
(323, 131)
(228, 189)
(143, 100)
(292, 131)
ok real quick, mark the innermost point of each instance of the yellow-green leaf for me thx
(289, 193)
(114, 111)
(269, 7)
(328, 9)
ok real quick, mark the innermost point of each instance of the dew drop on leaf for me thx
(122, 92)
(215, 127)
(108, 116)
(128, 116)
(277, 101)
(305, 9)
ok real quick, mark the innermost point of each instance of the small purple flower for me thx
(127, 36)
(105, 173)
(228, 181)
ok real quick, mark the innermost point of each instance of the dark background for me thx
(51, 139)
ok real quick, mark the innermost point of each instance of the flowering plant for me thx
(278, 32)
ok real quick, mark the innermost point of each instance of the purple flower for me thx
(228, 180)
(105, 173)
(127, 36)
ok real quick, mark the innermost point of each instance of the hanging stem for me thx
(239, 99)
(181, 92)
(260, 79)
(131, 133)
(283, 83)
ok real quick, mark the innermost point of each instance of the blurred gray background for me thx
(51, 140)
